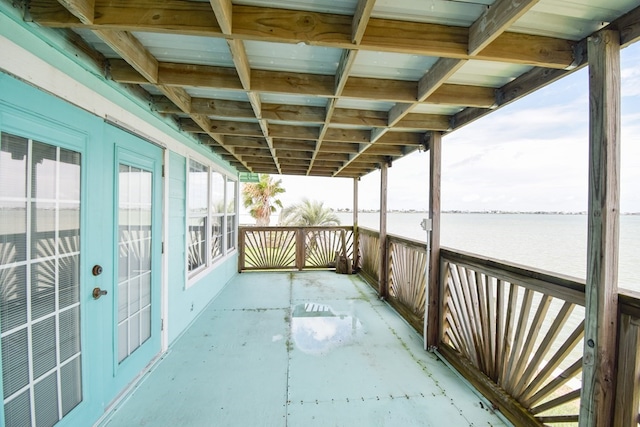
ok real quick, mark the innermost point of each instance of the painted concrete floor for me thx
(301, 349)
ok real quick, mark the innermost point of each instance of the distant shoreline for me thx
(477, 212)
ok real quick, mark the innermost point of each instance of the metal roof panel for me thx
(300, 57)
(398, 66)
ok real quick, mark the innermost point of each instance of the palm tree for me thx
(308, 213)
(260, 198)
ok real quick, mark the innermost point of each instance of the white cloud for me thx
(530, 155)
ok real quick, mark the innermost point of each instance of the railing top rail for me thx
(369, 231)
(561, 286)
(416, 244)
(293, 228)
(629, 302)
(419, 244)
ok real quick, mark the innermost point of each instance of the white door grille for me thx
(39, 281)
(134, 264)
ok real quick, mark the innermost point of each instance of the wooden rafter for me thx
(350, 121)
(81, 9)
(494, 21)
(322, 29)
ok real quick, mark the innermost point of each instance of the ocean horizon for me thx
(555, 242)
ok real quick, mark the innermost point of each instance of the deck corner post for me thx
(433, 283)
(241, 248)
(601, 311)
(384, 259)
(356, 234)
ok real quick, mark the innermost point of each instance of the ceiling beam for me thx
(294, 132)
(291, 26)
(293, 113)
(361, 19)
(340, 147)
(133, 52)
(178, 97)
(494, 21)
(432, 80)
(629, 27)
(81, 9)
(347, 135)
(243, 141)
(322, 29)
(223, 9)
(293, 144)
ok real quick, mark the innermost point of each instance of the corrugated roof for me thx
(325, 87)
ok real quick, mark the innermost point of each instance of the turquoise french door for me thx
(80, 267)
(40, 302)
(136, 237)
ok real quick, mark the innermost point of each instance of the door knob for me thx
(97, 293)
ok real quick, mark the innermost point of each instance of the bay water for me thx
(552, 242)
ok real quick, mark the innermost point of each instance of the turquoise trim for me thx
(32, 113)
(187, 302)
(52, 47)
(33, 124)
(132, 151)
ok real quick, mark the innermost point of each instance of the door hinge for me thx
(163, 171)
(162, 248)
(162, 324)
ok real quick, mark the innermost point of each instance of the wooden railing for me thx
(292, 248)
(369, 257)
(516, 334)
(627, 403)
(407, 278)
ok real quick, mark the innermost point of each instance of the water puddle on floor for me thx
(317, 329)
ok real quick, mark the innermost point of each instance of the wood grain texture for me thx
(494, 21)
(434, 290)
(383, 273)
(628, 387)
(223, 10)
(361, 19)
(132, 51)
(81, 9)
(502, 328)
(324, 29)
(599, 388)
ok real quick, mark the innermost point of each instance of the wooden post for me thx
(382, 275)
(241, 249)
(435, 166)
(628, 394)
(301, 252)
(601, 311)
(356, 234)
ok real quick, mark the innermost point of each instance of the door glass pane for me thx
(134, 230)
(39, 281)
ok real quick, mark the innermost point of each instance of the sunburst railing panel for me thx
(323, 245)
(264, 248)
(407, 278)
(521, 329)
(369, 254)
(269, 248)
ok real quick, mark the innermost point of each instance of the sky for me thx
(531, 155)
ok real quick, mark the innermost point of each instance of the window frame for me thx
(229, 194)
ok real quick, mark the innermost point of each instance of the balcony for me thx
(301, 348)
